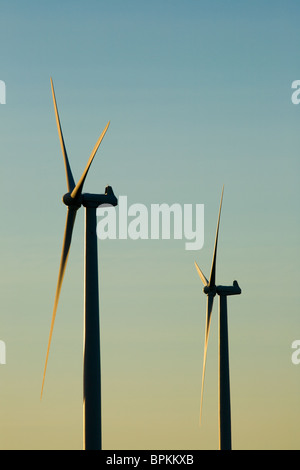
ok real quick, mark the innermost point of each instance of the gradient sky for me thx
(199, 95)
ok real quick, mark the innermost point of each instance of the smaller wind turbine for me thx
(210, 289)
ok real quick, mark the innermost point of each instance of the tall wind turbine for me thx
(210, 289)
(74, 199)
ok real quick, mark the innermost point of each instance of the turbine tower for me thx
(210, 289)
(74, 199)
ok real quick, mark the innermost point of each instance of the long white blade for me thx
(71, 215)
(69, 176)
(209, 306)
(78, 188)
(212, 278)
(202, 277)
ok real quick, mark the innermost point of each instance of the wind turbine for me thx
(74, 199)
(210, 289)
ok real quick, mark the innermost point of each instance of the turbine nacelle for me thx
(94, 200)
(229, 290)
(222, 290)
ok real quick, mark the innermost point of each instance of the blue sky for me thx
(199, 95)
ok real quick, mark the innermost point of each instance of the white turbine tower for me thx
(210, 289)
(74, 199)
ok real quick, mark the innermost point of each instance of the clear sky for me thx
(199, 95)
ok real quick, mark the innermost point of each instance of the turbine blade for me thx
(212, 278)
(71, 215)
(78, 188)
(69, 176)
(209, 306)
(202, 277)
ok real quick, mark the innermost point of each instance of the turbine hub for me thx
(70, 201)
(210, 290)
